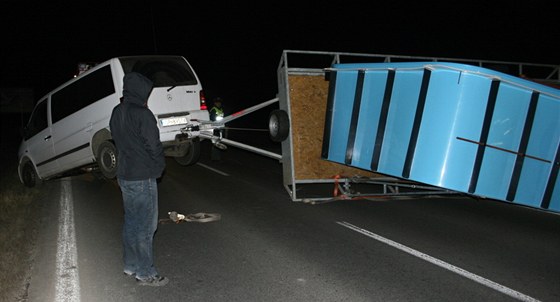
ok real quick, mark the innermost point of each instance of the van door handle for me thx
(48, 137)
(89, 127)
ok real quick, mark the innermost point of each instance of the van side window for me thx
(81, 93)
(38, 121)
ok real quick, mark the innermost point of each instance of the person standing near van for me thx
(217, 112)
(141, 163)
(216, 115)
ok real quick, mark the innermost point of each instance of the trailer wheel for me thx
(29, 175)
(278, 125)
(107, 159)
(192, 155)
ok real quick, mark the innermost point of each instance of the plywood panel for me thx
(308, 102)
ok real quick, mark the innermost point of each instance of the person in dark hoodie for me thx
(141, 162)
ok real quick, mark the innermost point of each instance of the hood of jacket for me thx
(136, 88)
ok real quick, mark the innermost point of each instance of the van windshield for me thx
(164, 71)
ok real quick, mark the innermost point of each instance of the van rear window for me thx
(164, 71)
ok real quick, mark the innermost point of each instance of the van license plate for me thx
(172, 121)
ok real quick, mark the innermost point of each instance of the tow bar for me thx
(207, 130)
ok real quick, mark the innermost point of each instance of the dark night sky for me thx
(235, 48)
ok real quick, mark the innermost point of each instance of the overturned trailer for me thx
(331, 132)
(319, 130)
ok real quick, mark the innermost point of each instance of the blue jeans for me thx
(140, 200)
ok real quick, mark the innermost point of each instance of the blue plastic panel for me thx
(456, 126)
(374, 83)
(346, 89)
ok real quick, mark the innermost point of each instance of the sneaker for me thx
(156, 280)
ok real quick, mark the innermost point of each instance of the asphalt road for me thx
(268, 248)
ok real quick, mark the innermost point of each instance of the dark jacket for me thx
(135, 132)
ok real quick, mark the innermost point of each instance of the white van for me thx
(69, 127)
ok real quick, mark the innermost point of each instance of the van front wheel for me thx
(29, 175)
(107, 159)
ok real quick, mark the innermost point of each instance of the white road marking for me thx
(212, 169)
(491, 284)
(67, 277)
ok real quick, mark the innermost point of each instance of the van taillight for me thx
(202, 101)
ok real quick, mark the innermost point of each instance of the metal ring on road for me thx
(175, 217)
(203, 217)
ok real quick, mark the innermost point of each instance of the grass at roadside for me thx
(18, 224)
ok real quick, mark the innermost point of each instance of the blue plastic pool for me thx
(455, 126)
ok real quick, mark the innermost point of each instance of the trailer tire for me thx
(278, 125)
(192, 155)
(107, 159)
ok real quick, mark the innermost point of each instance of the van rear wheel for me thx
(107, 159)
(192, 155)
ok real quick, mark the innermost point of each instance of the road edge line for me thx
(67, 277)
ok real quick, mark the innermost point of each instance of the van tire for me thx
(29, 176)
(278, 125)
(192, 155)
(107, 159)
